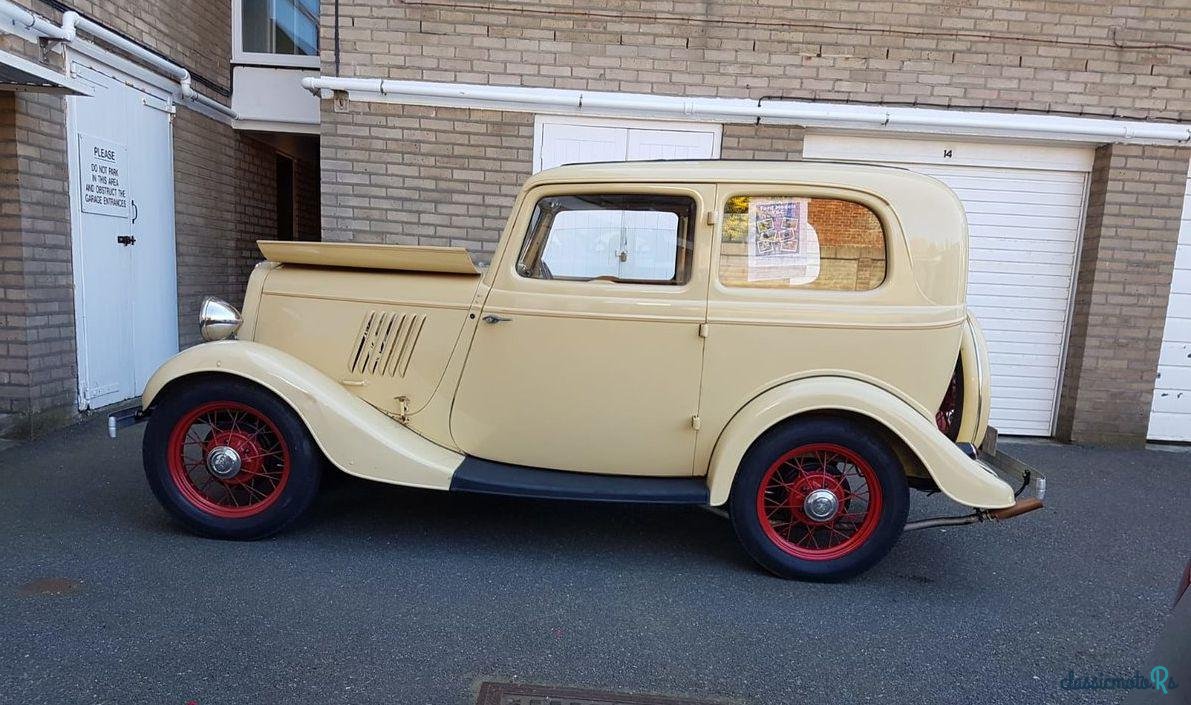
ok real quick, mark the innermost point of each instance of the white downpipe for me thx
(742, 110)
(73, 23)
(28, 20)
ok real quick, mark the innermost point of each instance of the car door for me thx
(588, 355)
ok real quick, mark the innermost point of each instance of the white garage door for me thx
(1170, 416)
(1025, 208)
(563, 140)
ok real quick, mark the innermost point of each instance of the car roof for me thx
(705, 170)
(931, 216)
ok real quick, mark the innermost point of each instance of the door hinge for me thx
(696, 422)
(711, 217)
(703, 330)
(402, 409)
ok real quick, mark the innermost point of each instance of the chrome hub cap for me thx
(820, 505)
(223, 462)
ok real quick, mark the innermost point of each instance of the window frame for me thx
(257, 58)
(690, 237)
(890, 228)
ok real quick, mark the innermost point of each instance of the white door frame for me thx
(135, 77)
(715, 129)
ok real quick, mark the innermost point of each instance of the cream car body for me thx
(406, 362)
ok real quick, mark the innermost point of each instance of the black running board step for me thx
(488, 477)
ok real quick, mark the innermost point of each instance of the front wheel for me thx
(230, 460)
(821, 499)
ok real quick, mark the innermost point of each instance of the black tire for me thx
(787, 559)
(281, 436)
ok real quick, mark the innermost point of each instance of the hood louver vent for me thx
(386, 343)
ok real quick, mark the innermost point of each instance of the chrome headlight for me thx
(218, 320)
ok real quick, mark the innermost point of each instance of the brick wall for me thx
(1121, 294)
(37, 350)
(781, 142)
(1095, 58)
(412, 175)
(225, 200)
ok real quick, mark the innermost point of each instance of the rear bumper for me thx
(125, 418)
(1007, 468)
(1020, 474)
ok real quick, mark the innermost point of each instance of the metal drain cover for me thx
(530, 694)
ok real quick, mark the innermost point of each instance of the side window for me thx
(634, 238)
(788, 242)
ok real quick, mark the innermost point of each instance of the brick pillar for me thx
(1122, 287)
(38, 383)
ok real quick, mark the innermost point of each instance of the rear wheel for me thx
(230, 460)
(821, 499)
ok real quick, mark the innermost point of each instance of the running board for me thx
(488, 477)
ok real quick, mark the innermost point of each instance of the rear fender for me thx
(353, 435)
(958, 476)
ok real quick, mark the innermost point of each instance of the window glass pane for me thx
(288, 27)
(257, 27)
(807, 243)
(632, 238)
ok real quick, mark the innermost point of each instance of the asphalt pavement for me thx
(391, 595)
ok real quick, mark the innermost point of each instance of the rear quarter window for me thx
(792, 242)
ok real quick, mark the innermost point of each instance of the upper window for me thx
(631, 238)
(787, 242)
(281, 32)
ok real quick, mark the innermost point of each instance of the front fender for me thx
(958, 476)
(354, 436)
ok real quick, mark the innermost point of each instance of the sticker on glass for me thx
(781, 243)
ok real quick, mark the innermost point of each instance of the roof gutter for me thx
(742, 110)
(73, 23)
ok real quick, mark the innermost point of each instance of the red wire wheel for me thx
(228, 459)
(819, 502)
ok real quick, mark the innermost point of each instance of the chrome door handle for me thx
(491, 318)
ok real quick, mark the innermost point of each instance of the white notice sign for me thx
(102, 177)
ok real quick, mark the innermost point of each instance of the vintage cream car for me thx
(788, 340)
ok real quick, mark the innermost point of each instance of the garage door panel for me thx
(1178, 330)
(1060, 274)
(1174, 402)
(1009, 251)
(1175, 353)
(1044, 340)
(1046, 239)
(1000, 199)
(1169, 426)
(1175, 377)
(1180, 284)
(1170, 414)
(1182, 256)
(1022, 388)
(977, 178)
(1018, 298)
(1039, 320)
(1005, 256)
(1023, 221)
(1037, 279)
(1023, 366)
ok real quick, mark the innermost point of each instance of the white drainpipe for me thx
(28, 20)
(73, 23)
(742, 110)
